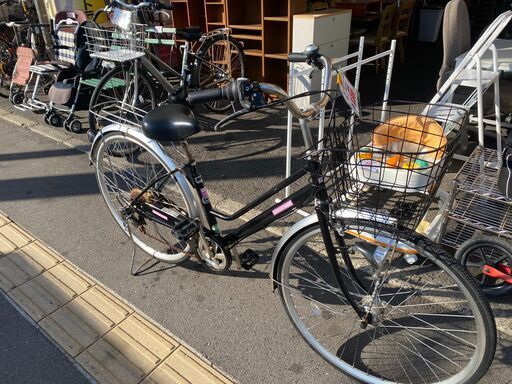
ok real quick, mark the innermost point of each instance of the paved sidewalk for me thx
(234, 319)
(107, 337)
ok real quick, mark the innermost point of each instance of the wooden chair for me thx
(456, 37)
(382, 36)
(321, 5)
(401, 23)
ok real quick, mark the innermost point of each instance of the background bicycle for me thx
(20, 29)
(142, 79)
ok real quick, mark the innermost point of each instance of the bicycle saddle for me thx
(189, 33)
(170, 122)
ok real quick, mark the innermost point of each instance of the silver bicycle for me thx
(375, 299)
(137, 45)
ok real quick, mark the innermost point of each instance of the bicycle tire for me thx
(373, 358)
(472, 250)
(202, 70)
(102, 93)
(133, 171)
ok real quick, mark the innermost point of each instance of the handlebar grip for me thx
(205, 95)
(297, 57)
(229, 92)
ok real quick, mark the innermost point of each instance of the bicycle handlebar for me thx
(238, 89)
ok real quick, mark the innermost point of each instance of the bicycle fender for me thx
(312, 220)
(192, 200)
(283, 242)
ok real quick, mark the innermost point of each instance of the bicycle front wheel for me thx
(122, 175)
(430, 322)
(220, 60)
(120, 84)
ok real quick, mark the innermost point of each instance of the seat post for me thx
(186, 150)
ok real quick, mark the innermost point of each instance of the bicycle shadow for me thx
(147, 265)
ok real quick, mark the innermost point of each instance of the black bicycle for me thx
(372, 297)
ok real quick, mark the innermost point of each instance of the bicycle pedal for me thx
(248, 259)
(185, 229)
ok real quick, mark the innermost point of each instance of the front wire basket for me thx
(387, 165)
(113, 43)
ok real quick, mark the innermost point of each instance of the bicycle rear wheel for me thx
(431, 322)
(121, 175)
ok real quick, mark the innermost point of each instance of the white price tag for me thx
(349, 93)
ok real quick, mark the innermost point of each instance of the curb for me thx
(90, 323)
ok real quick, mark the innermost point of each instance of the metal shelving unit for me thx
(478, 205)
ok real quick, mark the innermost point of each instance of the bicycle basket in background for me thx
(387, 165)
(121, 41)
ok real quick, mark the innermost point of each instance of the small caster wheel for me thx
(55, 120)
(75, 126)
(488, 259)
(46, 118)
(18, 98)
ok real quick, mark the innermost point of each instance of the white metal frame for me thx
(481, 83)
(336, 63)
(466, 74)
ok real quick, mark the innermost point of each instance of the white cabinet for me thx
(330, 31)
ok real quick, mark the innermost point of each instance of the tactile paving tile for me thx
(109, 340)
(107, 304)
(6, 246)
(77, 325)
(154, 339)
(16, 235)
(4, 220)
(184, 367)
(43, 255)
(17, 268)
(132, 349)
(49, 291)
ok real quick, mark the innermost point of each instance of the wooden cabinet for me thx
(263, 26)
(277, 37)
(329, 30)
(215, 14)
(321, 27)
(188, 13)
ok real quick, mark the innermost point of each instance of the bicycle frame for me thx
(296, 201)
(185, 77)
(315, 189)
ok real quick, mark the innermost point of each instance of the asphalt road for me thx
(235, 320)
(26, 356)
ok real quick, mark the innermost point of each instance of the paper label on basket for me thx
(371, 165)
(349, 93)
